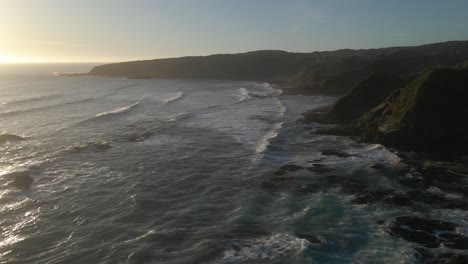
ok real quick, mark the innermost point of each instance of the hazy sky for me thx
(115, 30)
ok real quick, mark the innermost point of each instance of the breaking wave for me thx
(244, 94)
(263, 249)
(34, 99)
(119, 110)
(114, 112)
(171, 99)
(271, 134)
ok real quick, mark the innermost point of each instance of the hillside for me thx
(328, 72)
(429, 114)
(364, 96)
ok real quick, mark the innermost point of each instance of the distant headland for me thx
(325, 72)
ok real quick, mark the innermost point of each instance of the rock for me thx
(380, 222)
(450, 258)
(426, 225)
(101, 147)
(319, 169)
(140, 137)
(428, 233)
(454, 241)
(22, 180)
(398, 199)
(426, 115)
(436, 200)
(331, 152)
(366, 197)
(282, 179)
(309, 188)
(311, 238)
(377, 166)
(288, 168)
(346, 185)
(270, 186)
(352, 186)
(342, 130)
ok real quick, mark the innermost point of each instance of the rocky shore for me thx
(425, 117)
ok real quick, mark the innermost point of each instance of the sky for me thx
(118, 30)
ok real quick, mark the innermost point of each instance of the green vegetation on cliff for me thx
(364, 96)
(429, 114)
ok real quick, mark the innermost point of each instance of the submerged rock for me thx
(371, 196)
(427, 257)
(340, 154)
(288, 168)
(319, 169)
(427, 232)
(22, 180)
(269, 186)
(309, 188)
(4, 138)
(311, 238)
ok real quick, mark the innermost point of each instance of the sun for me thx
(7, 59)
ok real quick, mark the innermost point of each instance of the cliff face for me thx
(364, 96)
(331, 72)
(428, 114)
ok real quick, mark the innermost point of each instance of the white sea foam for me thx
(147, 234)
(177, 96)
(263, 249)
(119, 110)
(244, 94)
(271, 134)
(178, 117)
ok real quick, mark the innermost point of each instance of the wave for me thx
(29, 110)
(281, 108)
(271, 134)
(244, 94)
(171, 99)
(98, 146)
(262, 250)
(114, 112)
(178, 117)
(4, 138)
(124, 87)
(271, 91)
(117, 111)
(34, 99)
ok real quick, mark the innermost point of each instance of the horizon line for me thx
(210, 54)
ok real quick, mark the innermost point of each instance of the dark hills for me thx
(364, 96)
(429, 114)
(328, 72)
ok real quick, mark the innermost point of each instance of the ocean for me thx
(184, 171)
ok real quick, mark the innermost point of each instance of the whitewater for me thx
(180, 171)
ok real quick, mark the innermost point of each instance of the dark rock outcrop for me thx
(311, 238)
(428, 233)
(21, 180)
(429, 114)
(288, 168)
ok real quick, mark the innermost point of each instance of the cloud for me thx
(64, 44)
